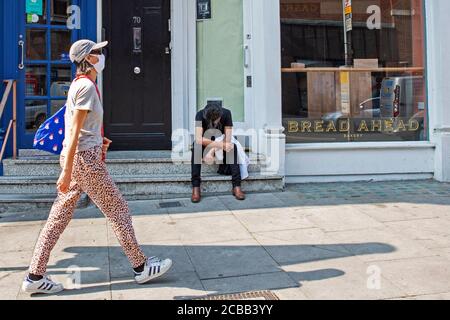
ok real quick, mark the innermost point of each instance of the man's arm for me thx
(200, 140)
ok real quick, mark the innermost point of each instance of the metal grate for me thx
(166, 205)
(257, 295)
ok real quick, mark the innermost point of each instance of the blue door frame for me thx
(14, 25)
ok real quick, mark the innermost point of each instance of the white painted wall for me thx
(438, 57)
(359, 161)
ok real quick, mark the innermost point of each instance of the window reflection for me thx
(36, 80)
(36, 44)
(60, 81)
(61, 42)
(59, 11)
(35, 114)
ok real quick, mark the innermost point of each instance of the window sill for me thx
(361, 145)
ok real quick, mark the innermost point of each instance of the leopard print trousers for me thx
(91, 176)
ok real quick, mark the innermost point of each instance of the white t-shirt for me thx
(83, 96)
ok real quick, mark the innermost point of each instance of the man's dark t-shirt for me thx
(225, 121)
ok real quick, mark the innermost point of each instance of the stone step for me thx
(119, 164)
(118, 167)
(30, 181)
(146, 185)
(26, 202)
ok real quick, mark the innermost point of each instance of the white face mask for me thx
(100, 65)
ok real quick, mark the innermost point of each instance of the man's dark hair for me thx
(211, 113)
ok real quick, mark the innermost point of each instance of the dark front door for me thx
(137, 84)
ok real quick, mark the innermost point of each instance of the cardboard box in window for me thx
(366, 63)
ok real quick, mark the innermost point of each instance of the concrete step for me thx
(30, 181)
(119, 163)
(145, 185)
(27, 202)
(23, 193)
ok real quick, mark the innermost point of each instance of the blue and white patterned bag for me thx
(50, 135)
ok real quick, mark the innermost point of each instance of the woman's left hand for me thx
(106, 144)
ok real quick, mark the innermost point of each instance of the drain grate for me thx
(167, 205)
(257, 295)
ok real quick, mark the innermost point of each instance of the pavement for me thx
(386, 240)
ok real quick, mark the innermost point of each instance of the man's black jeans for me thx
(197, 166)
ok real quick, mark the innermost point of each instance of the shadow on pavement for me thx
(211, 263)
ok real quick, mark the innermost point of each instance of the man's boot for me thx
(196, 195)
(238, 193)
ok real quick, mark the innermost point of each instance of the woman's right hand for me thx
(64, 180)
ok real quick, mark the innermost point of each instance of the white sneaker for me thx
(45, 285)
(154, 268)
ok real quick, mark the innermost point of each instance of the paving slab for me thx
(13, 267)
(89, 265)
(439, 296)
(208, 207)
(302, 245)
(19, 238)
(253, 201)
(431, 233)
(378, 244)
(340, 218)
(290, 199)
(10, 282)
(290, 294)
(254, 282)
(343, 278)
(145, 208)
(210, 229)
(84, 233)
(418, 276)
(173, 286)
(273, 219)
(229, 259)
(390, 212)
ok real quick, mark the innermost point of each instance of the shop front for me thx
(356, 89)
(327, 90)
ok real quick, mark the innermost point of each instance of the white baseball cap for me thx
(82, 48)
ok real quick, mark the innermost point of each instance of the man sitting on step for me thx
(213, 122)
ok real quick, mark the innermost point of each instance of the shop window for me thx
(353, 71)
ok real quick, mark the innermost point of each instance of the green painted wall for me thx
(220, 57)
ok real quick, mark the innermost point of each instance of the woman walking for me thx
(84, 170)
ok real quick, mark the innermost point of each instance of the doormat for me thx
(257, 295)
(166, 205)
